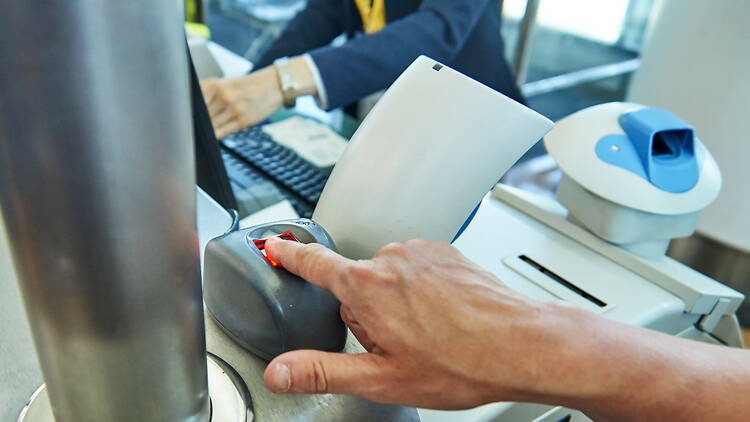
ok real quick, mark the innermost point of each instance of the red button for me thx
(261, 245)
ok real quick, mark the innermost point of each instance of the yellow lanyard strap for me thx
(373, 14)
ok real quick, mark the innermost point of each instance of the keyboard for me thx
(263, 172)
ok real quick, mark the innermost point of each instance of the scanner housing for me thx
(265, 308)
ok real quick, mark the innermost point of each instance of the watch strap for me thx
(289, 88)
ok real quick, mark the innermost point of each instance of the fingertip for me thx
(277, 378)
(223, 131)
(313, 262)
(318, 372)
(278, 248)
(231, 126)
(279, 373)
(273, 241)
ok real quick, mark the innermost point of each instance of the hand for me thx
(242, 102)
(440, 332)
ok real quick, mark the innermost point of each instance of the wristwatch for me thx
(289, 86)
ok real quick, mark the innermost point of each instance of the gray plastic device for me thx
(263, 307)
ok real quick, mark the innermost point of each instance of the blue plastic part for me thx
(659, 147)
(466, 223)
(619, 151)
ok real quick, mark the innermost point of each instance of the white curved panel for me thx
(422, 160)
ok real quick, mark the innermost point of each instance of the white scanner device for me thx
(434, 144)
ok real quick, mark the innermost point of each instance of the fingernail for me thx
(280, 380)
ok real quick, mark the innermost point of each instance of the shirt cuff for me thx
(322, 96)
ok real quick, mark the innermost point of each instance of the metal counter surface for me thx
(19, 370)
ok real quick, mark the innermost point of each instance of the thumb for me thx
(312, 371)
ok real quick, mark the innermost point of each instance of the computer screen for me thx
(211, 173)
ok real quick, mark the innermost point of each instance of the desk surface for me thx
(21, 376)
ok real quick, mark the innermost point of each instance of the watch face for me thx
(287, 82)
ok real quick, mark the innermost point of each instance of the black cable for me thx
(235, 221)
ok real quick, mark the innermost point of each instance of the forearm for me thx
(617, 372)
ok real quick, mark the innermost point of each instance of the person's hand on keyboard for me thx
(237, 103)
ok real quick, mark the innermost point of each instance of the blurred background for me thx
(564, 60)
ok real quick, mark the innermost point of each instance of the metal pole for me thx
(525, 39)
(579, 77)
(97, 193)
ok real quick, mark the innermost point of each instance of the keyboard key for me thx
(259, 159)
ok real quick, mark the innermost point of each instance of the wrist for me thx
(303, 75)
(295, 79)
(268, 78)
(536, 355)
(582, 350)
(608, 369)
(565, 352)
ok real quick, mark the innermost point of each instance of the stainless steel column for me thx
(97, 193)
(522, 56)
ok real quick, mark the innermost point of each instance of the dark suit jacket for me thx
(464, 34)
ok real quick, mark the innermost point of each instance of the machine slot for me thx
(577, 290)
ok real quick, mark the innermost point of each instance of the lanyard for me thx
(373, 14)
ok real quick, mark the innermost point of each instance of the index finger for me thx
(313, 262)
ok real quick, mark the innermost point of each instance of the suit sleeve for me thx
(316, 25)
(369, 63)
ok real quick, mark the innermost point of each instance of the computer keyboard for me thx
(253, 159)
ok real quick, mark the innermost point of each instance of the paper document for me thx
(313, 141)
(231, 64)
(279, 211)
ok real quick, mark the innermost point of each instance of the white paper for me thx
(313, 141)
(231, 64)
(279, 211)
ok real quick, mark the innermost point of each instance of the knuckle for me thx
(346, 314)
(230, 129)
(234, 108)
(307, 256)
(311, 250)
(391, 248)
(319, 379)
(222, 95)
(417, 243)
(447, 248)
(361, 272)
(247, 119)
